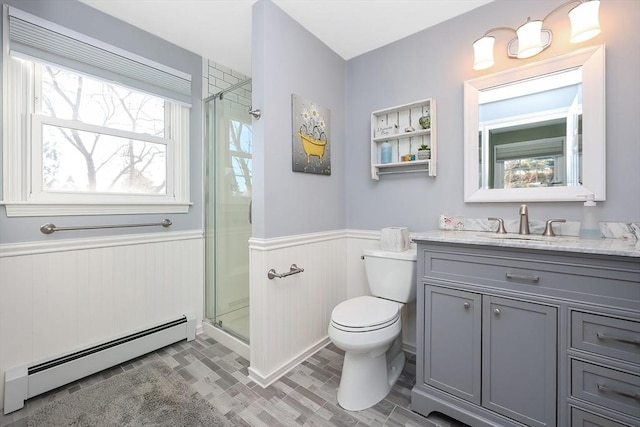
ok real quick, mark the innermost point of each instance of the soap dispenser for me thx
(590, 225)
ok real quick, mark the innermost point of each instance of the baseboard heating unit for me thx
(25, 382)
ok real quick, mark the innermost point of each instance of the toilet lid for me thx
(366, 313)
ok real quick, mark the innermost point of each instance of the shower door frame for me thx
(215, 137)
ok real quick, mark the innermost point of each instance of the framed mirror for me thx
(537, 132)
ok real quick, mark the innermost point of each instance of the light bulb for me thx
(584, 21)
(483, 53)
(529, 39)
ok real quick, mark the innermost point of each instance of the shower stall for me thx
(228, 176)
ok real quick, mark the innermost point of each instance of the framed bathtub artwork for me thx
(311, 148)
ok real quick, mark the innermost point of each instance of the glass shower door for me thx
(227, 212)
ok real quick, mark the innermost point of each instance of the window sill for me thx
(24, 209)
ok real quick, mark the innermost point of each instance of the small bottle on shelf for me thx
(385, 152)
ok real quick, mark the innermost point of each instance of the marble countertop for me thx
(617, 247)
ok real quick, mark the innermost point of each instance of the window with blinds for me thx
(100, 130)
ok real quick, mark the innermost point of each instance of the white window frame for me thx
(22, 195)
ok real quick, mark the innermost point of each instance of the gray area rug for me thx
(149, 395)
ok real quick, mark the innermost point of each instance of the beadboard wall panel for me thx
(290, 315)
(59, 297)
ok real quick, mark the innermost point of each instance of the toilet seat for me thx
(365, 314)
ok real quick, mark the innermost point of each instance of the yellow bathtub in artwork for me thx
(313, 146)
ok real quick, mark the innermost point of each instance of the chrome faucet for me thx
(524, 220)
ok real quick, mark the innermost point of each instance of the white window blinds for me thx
(40, 40)
(548, 147)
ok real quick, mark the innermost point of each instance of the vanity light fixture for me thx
(531, 38)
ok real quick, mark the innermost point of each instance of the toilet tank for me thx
(391, 275)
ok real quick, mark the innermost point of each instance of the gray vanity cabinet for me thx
(515, 337)
(519, 351)
(452, 341)
(494, 352)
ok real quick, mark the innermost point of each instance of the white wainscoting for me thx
(290, 316)
(57, 297)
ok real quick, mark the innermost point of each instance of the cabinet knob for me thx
(466, 305)
(497, 311)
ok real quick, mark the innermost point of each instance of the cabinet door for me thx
(519, 360)
(452, 341)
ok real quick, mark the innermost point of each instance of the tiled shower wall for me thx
(217, 78)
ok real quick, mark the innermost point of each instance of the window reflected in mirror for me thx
(537, 132)
(530, 132)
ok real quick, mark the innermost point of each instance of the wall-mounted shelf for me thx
(400, 127)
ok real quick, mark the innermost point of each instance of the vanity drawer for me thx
(589, 280)
(616, 390)
(580, 418)
(492, 272)
(608, 336)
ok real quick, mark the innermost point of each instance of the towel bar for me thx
(49, 228)
(271, 274)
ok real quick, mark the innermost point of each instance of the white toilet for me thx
(369, 329)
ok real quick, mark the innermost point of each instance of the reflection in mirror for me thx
(532, 130)
(536, 133)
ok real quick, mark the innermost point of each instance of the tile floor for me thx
(306, 396)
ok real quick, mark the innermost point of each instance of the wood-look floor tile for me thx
(400, 396)
(308, 394)
(243, 394)
(327, 391)
(340, 417)
(305, 396)
(226, 404)
(376, 415)
(401, 417)
(318, 421)
(303, 406)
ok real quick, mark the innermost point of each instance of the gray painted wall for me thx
(287, 59)
(89, 21)
(435, 63)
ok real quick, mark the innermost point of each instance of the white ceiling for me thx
(220, 30)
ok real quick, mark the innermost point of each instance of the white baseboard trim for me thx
(265, 381)
(407, 348)
(232, 343)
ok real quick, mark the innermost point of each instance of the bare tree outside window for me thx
(91, 147)
(240, 137)
(527, 173)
